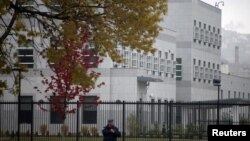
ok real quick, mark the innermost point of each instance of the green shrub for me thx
(7, 133)
(155, 132)
(85, 131)
(64, 129)
(244, 121)
(94, 131)
(190, 131)
(133, 126)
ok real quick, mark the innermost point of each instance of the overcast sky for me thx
(235, 14)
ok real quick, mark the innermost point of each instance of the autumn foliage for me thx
(69, 25)
(74, 57)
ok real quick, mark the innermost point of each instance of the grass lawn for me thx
(92, 139)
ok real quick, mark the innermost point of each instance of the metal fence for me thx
(137, 121)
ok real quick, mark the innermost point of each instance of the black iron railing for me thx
(136, 120)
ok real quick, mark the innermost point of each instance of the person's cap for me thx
(110, 120)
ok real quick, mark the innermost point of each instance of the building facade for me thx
(144, 76)
(198, 27)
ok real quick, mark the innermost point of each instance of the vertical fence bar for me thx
(0, 118)
(123, 121)
(218, 107)
(18, 116)
(32, 120)
(77, 122)
(170, 120)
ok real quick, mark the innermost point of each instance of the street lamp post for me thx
(19, 99)
(218, 3)
(217, 82)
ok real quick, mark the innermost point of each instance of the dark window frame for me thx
(26, 111)
(55, 117)
(89, 108)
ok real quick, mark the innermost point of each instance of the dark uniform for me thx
(110, 133)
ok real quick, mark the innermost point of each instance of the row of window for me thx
(234, 94)
(205, 73)
(204, 64)
(178, 69)
(89, 111)
(204, 34)
(207, 27)
(155, 63)
(26, 54)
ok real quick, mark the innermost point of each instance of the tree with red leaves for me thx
(72, 79)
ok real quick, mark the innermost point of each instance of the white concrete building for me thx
(144, 76)
(234, 87)
(198, 27)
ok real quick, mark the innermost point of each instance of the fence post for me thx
(32, 120)
(77, 121)
(199, 120)
(123, 121)
(170, 120)
(0, 115)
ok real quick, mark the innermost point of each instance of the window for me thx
(228, 94)
(204, 26)
(208, 64)
(218, 31)
(134, 59)
(91, 44)
(218, 66)
(178, 73)
(199, 62)
(89, 110)
(243, 95)
(26, 112)
(213, 29)
(194, 61)
(200, 24)
(126, 58)
(248, 95)
(239, 95)
(178, 60)
(178, 115)
(213, 66)
(149, 62)
(178, 78)
(209, 27)
(162, 65)
(159, 54)
(155, 63)
(26, 54)
(141, 60)
(172, 56)
(55, 117)
(178, 67)
(93, 59)
(235, 94)
(195, 22)
(204, 64)
(166, 55)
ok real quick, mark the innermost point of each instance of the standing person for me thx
(110, 132)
